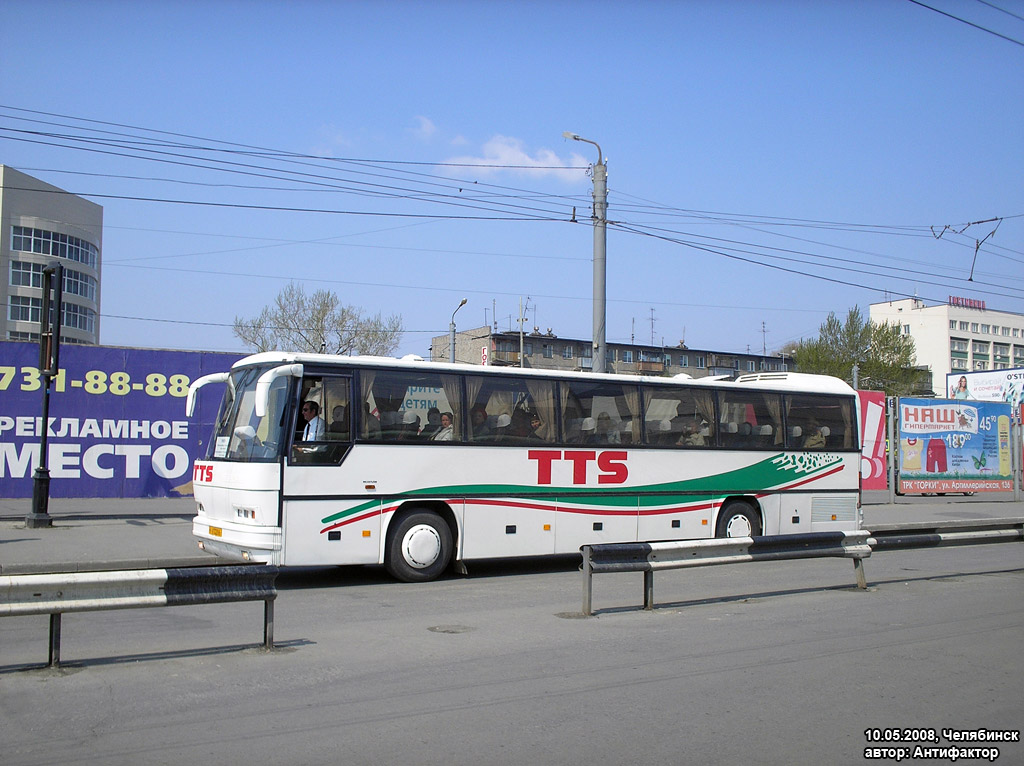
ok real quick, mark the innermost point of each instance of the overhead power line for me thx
(495, 202)
(1001, 10)
(280, 208)
(968, 23)
(776, 267)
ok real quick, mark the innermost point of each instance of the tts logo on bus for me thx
(611, 465)
(202, 473)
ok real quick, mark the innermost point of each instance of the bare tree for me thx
(318, 323)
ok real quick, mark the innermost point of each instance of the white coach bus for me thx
(328, 460)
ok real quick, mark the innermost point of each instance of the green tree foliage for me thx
(318, 323)
(885, 355)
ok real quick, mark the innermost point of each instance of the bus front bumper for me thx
(238, 542)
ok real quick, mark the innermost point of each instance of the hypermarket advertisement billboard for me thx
(117, 425)
(948, 445)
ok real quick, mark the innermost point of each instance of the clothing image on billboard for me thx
(935, 461)
(912, 449)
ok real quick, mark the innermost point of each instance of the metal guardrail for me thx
(57, 593)
(650, 557)
(940, 534)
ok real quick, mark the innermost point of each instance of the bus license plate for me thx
(216, 532)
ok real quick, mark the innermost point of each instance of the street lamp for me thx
(600, 251)
(451, 333)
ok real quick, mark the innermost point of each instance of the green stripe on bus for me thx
(768, 473)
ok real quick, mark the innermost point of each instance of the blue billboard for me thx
(954, 446)
(117, 425)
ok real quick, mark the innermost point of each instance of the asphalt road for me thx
(757, 663)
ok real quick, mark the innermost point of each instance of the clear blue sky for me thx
(820, 138)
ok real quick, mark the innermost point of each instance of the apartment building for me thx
(546, 351)
(39, 224)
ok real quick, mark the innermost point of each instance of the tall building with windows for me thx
(546, 351)
(39, 224)
(962, 335)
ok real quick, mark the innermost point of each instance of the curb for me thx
(112, 565)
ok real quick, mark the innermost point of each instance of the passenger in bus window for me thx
(410, 430)
(446, 429)
(478, 422)
(339, 420)
(535, 425)
(815, 439)
(502, 428)
(692, 435)
(522, 427)
(433, 426)
(606, 433)
(315, 426)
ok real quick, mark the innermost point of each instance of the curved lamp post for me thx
(451, 333)
(600, 251)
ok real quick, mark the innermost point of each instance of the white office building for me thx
(962, 335)
(40, 224)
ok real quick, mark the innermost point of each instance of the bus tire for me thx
(738, 519)
(419, 547)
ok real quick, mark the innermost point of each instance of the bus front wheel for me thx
(419, 547)
(737, 519)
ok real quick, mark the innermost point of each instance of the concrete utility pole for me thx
(600, 252)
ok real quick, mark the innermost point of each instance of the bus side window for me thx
(679, 417)
(511, 410)
(819, 422)
(322, 429)
(411, 407)
(336, 405)
(750, 419)
(600, 412)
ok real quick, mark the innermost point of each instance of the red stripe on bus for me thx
(349, 521)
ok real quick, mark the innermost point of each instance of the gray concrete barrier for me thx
(650, 557)
(57, 593)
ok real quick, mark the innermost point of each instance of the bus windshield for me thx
(239, 434)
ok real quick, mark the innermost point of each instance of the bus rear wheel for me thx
(738, 519)
(419, 547)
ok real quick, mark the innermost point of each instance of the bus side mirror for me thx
(265, 381)
(195, 385)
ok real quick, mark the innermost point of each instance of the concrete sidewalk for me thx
(100, 534)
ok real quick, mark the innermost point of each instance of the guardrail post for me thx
(268, 624)
(54, 660)
(858, 568)
(588, 582)
(649, 589)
